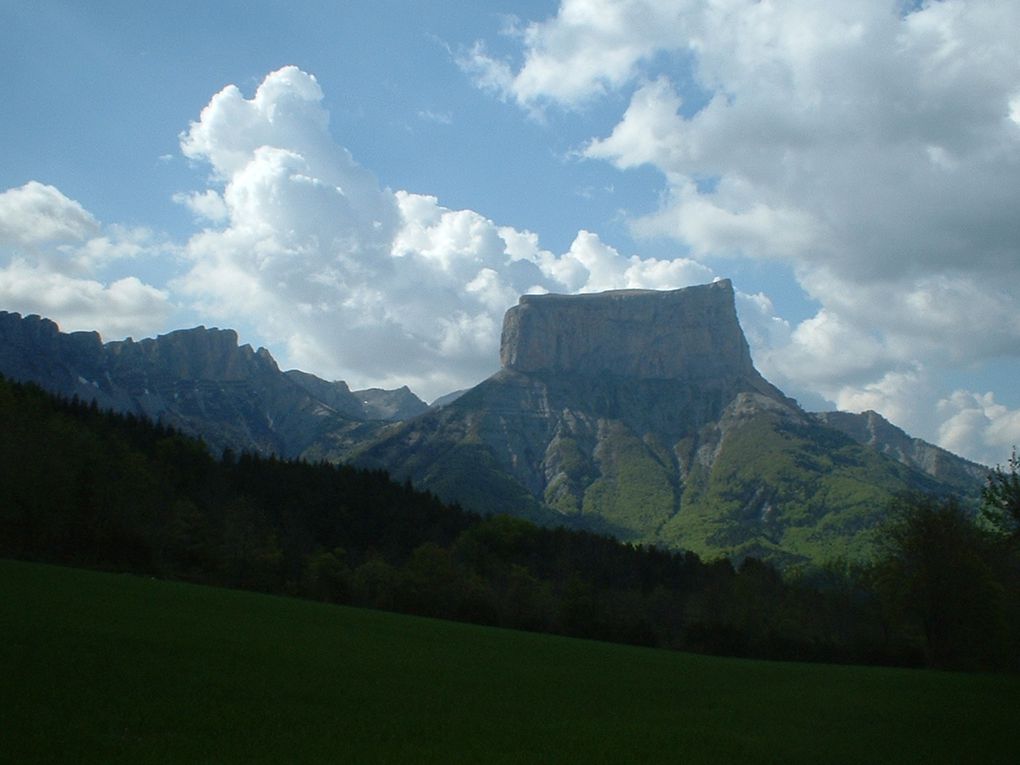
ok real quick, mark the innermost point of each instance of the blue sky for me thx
(365, 187)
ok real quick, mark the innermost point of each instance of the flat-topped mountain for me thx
(686, 334)
(640, 413)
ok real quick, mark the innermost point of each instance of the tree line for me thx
(84, 487)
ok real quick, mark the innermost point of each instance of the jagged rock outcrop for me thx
(336, 395)
(640, 413)
(201, 381)
(367, 404)
(191, 354)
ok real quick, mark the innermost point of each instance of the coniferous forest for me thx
(83, 487)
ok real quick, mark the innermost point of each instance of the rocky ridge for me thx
(198, 380)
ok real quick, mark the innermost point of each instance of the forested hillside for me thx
(88, 488)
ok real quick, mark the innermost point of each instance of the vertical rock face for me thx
(598, 412)
(34, 349)
(689, 334)
(192, 354)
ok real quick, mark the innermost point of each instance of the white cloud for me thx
(123, 307)
(764, 330)
(53, 254)
(439, 118)
(950, 317)
(732, 222)
(870, 146)
(231, 127)
(591, 265)
(651, 273)
(594, 265)
(650, 132)
(488, 73)
(117, 243)
(36, 214)
(207, 205)
(589, 48)
(358, 282)
(830, 353)
(902, 397)
(975, 424)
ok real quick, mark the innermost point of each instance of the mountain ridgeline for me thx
(635, 412)
(199, 381)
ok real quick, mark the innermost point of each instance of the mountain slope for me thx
(768, 481)
(641, 413)
(872, 429)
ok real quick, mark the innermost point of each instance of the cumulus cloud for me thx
(53, 254)
(37, 214)
(591, 265)
(205, 205)
(872, 147)
(123, 307)
(873, 151)
(975, 423)
(355, 281)
(589, 48)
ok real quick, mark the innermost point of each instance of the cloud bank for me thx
(353, 280)
(872, 147)
(53, 254)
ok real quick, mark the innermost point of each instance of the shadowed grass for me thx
(113, 668)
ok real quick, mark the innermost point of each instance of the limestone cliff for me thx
(34, 349)
(689, 334)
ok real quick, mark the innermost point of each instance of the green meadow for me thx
(111, 668)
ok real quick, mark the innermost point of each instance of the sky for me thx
(365, 187)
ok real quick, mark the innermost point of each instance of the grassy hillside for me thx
(113, 668)
(789, 491)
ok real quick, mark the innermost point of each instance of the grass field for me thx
(113, 668)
